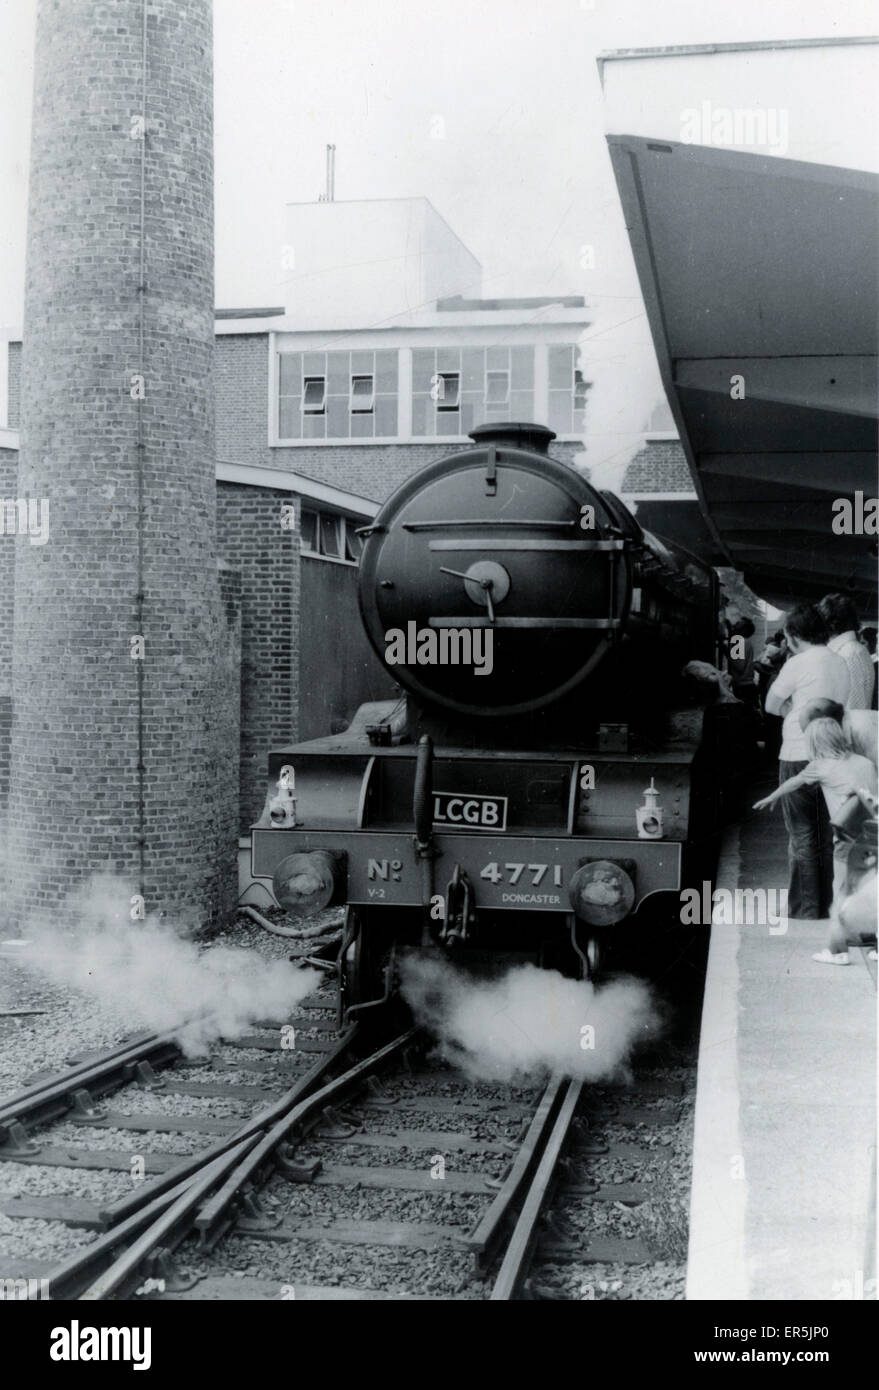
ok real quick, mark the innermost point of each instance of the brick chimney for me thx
(125, 685)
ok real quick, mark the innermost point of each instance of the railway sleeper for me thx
(595, 1250)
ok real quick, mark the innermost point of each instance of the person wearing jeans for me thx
(812, 672)
(841, 774)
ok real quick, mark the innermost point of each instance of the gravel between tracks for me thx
(130, 1141)
(33, 1179)
(663, 1162)
(440, 1274)
(39, 1240)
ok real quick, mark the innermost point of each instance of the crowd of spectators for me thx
(813, 689)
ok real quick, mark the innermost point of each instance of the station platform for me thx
(783, 1194)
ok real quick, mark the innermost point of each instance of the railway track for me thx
(166, 1118)
(366, 1172)
(264, 1214)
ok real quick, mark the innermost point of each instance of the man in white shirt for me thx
(841, 617)
(812, 672)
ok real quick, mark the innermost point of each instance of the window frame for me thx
(329, 421)
(338, 527)
(441, 401)
(309, 381)
(344, 525)
(497, 372)
(447, 421)
(359, 409)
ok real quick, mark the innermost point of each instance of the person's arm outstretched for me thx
(785, 789)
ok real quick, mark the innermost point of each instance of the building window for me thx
(455, 389)
(362, 396)
(446, 390)
(308, 533)
(329, 536)
(497, 388)
(314, 397)
(329, 532)
(567, 391)
(337, 395)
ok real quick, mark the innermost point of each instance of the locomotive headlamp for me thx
(601, 893)
(282, 806)
(310, 881)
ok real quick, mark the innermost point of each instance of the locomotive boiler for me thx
(544, 779)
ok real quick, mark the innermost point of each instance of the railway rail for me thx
(302, 1146)
(75, 1088)
(369, 1172)
(224, 1193)
(53, 1121)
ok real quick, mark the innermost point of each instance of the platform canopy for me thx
(759, 276)
(749, 180)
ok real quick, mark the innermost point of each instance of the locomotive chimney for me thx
(515, 434)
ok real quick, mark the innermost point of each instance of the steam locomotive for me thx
(545, 778)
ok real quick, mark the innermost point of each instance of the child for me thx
(840, 773)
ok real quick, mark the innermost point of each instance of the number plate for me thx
(454, 810)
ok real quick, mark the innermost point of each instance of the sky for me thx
(492, 109)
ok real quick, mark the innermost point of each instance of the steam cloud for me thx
(155, 979)
(619, 361)
(529, 1021)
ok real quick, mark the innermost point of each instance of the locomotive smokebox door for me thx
(494, 600)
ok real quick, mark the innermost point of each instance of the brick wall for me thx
(374, 471)
(75, 802)
(8, 488)
(660, 466)
(369, 470)
(250, 538)
(14, 386)
(241, 386)
(226, 782)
